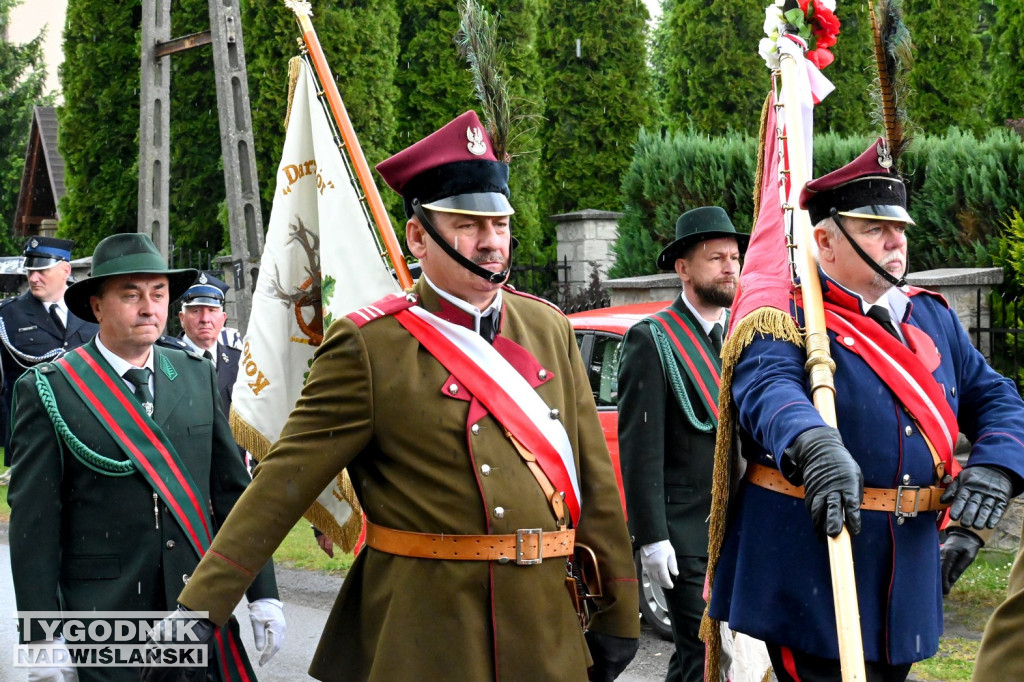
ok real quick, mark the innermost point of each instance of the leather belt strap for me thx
(903, 501)
(525, 547)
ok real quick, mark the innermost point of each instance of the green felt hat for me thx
(697, 225)
(124, 254)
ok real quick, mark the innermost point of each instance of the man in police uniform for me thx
(667, 427)
(202, 317)
(123, 466)
(37, 326)
(907, 380)
(452, 583)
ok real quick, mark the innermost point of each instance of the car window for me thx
(603, 369)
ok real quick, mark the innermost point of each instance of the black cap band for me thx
(869, 191)
(459, 177)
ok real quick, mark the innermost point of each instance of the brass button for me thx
(554, 413)
(453, 389)
(543, 374)
(474, 429)
(952, 391)
(170, 544)
(499, 512)
(906, 479)
(909, 431)
(485, 469)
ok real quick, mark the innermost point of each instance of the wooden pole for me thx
(820, 368)
(351, 142)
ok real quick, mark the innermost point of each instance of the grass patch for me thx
(978, 592)
(300, 550)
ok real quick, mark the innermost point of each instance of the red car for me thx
(599, 335)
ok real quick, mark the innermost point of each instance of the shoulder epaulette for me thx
(389, 305)
(512, 290)
(7, 300)
(917, 291)
(171, 342)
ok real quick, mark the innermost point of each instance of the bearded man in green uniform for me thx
(668, 420)
(123, 466)
(464, 416)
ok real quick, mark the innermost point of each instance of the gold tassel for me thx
(761, 322)
(293, 79)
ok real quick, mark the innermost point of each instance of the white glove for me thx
(57, 653)
(659, 560)
(267, 616)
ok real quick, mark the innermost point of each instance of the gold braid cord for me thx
(293, 80)
(762, 322)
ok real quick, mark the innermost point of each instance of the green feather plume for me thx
(478, 44)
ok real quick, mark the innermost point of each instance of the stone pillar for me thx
(643, 289)
(584, 240)
(48, 227)
(961, 287)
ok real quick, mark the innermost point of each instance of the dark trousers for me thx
(797, 666)
(686, 607)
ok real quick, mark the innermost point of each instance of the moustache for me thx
(490, 257)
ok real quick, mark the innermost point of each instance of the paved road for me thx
(308, 597)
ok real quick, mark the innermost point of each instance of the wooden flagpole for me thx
(351, 142)
(820, 367)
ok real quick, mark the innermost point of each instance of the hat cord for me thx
(901, 282)
(492, 277)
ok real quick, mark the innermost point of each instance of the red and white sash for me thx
(505, 394)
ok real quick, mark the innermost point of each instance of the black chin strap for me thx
(492, 277)
(879, 270)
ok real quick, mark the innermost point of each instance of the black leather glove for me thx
(979, 496)
(611, 655)
(178, 628)
(832, 480)
(957, 553)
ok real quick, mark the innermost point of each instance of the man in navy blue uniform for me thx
(36, 326)
(907, 380)
(202, 317)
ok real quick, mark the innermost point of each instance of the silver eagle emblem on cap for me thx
(34, 243)
(476, 145)
(884, 157)
(202, 278)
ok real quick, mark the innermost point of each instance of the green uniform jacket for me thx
(666, 462)
(427, 457)
(90, 541)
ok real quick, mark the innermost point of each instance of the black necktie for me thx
(208, 355)
(716, 338)
(487, 328)
(139, 378)
(882, 317)
(55, 316)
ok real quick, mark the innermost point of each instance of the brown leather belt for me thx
(904, 501)
(527, 546)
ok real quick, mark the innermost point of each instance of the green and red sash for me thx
(149, 449)
(693, 353)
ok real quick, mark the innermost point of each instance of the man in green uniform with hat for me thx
(668, 419)
(123, 466)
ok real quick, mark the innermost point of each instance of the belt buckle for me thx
(523, 533)
(899, 513)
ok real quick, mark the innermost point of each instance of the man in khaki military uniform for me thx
(452, 584)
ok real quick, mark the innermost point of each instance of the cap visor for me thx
(880, 212)
(480, 203)
(39, 263)
(203, 300)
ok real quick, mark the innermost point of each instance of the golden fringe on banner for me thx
(294, 64)
(346, 535)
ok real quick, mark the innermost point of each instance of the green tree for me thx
(22, 79)
(849, 110)
(1006, 59)
(359, 39)
(593, 54)
(949, 89)
(715, 79)
(99, 122)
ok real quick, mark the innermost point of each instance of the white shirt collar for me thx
(120, 365)
(493, 309)
(705, 325)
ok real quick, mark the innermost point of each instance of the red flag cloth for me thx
(765, 280)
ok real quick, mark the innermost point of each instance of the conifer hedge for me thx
(963, 191)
